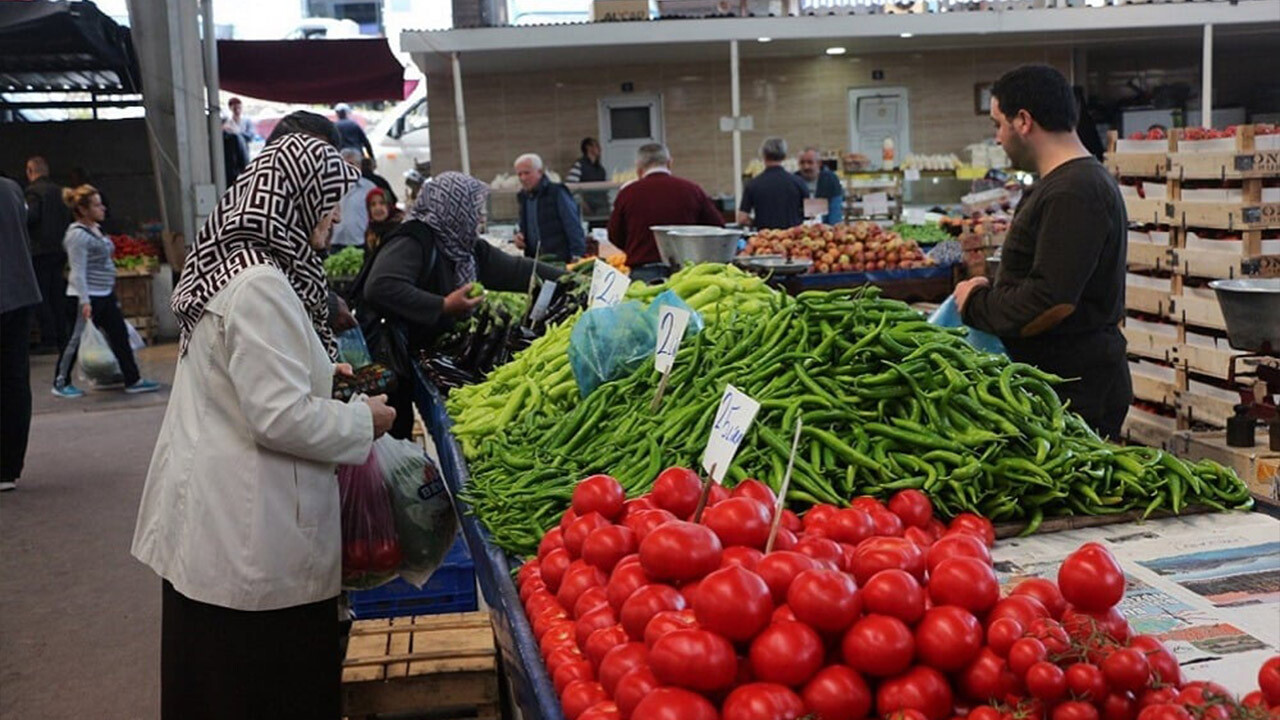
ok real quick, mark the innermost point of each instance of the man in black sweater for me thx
(1058, 297)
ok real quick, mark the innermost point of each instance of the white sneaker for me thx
(7, 485)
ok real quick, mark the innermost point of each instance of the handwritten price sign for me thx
(732, 420)
(608, 286)
(672, 322)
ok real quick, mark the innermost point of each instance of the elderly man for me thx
(656, 198)
(354, 212)
(775, 195)
(822, 184)
(550, 225)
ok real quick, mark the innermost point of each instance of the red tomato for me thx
(1046, 681)
(824, 550)
(717, 495)
(913, 507)
(1269, 680)
(867, 504)
(680, 551)
(625, 580)
(580, 695)
(885, 553)
(619, 661)
(693, 659)
(600, 642)
(961, 544)
(1091, 579)
(528, 571)
(976, 524)
(1086, 682)
(1126, 669)
(635, 505)
(919, 536)
(570, 671)
(920, 688)
(666, 621)
(1166, 711)
(605, 546)
(643, 522)
(560, 634)
(355, 557)
(599, 494)
(787, 653)
(824, 599)
(878, 645)
(782, 612)
(983, 712)
(1164, 666)
(818, 515)
(1024, 653)
(966, 582)
(733, 602)
(837, 692)
(529, 588)
(779, 568)
(674, 704)
(1075, 710)
(739, 555)
(1153, 696)
(1002, 633)
(546, 618)
(554, 566)
(848, 525)
(578, 579)
(740, 521)
(1119, 706)
(646, 602)
(568, 518)
(677, 490)
(576, 534)
(589, 600)
(786, 540)
(948, 638)
(1255, 700)
(632, 688)
(893, 592)
(987, 678)
(601, 617)
(690, 592)
(1046, 591)
(607, 710)
(887, 524)
(762, 701)
(1050, 633)
(1023, 608)
(791, 521)
(552, 540)
(1088, 627)
(562, 656)
(756, 490)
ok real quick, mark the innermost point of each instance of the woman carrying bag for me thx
(240, 513)
(93, 280)
(420, 277)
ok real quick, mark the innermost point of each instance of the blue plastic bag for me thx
(948, 315)
(669, 297)
(610, 342)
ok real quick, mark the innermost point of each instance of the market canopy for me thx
(48, 47)
(311, 71)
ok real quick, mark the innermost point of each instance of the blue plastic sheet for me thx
(609, 342)
(948, 315)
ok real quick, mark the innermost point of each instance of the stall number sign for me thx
(608, 285)
(733, 419)
(672, 322)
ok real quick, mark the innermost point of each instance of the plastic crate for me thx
(451, 588)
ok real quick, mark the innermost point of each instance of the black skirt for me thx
(217, 663)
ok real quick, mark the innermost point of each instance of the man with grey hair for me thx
(656, 198)
(354, 213)
(822, 184)
(550, 225)
(775, 195)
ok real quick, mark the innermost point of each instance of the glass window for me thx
(630, 123)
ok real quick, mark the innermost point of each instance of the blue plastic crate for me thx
(451, 588)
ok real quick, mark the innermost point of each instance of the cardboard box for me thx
(622, 10)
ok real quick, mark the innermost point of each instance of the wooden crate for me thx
(134, 292)
(1137, 165)
(1147, 344)
(1244, 215)
(1258, 466)
(1197, 262)
(1207, 409)
(1214, 362)
(1147, 211)
(442, 666)
(1156, 390)
(1193, 310)
(1144, 428)
(1146, 300)
(1149, 256)
(1238, 165)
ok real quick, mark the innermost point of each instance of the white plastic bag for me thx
(135, 340)
(425, 522)
(97, 363)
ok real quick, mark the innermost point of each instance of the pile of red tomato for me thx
(867, 611)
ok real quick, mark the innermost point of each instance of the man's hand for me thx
(383, 414)
(519, 240)
(963, 289)
(457, 303)
(86, 311)
(344, 370)
(744, 219)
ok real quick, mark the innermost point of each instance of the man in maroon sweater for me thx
(656, 198)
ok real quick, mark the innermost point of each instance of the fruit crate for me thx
(451, 589)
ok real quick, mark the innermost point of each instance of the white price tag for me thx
(911, 174)
(732, 419)
(540, 305)
(672, 322)
(608, 285)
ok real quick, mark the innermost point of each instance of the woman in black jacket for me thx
(422, 272)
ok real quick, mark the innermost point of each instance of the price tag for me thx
(911, 174)
(608, 285)
(540, 305)
(672, 322)
(732, 419)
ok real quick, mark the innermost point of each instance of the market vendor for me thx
(422, 274)
(657, 198)
(1058, 297)
(775, 198)
(550, 224)
(822, 184)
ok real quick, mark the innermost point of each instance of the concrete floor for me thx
(79, 617)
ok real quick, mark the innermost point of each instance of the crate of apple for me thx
(857, 247)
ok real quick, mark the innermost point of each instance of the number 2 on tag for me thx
(672, 322)
(608, 285)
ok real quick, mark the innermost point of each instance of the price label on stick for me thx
(732, 419)
(608, 285)
(672, 322)
(540, 305)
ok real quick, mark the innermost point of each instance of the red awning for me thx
(311, 71)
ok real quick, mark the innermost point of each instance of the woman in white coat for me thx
(240, 513)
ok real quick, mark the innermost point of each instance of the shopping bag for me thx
(948, 315)
(136, 342)
(353, 349)
(424, 517)
(610, 342)
(370, 548)
(97, 363)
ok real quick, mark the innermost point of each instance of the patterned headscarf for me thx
(450, 205)
(266, 218)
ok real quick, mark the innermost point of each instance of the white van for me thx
(402, 139)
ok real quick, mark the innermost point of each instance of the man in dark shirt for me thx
(1058, 298)
(588, 169)
(47, 221)
(352, 134)
(776, 196)
(550, 225)
(823, 184)
(657, 198)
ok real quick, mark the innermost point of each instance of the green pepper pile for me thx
(888, 401)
